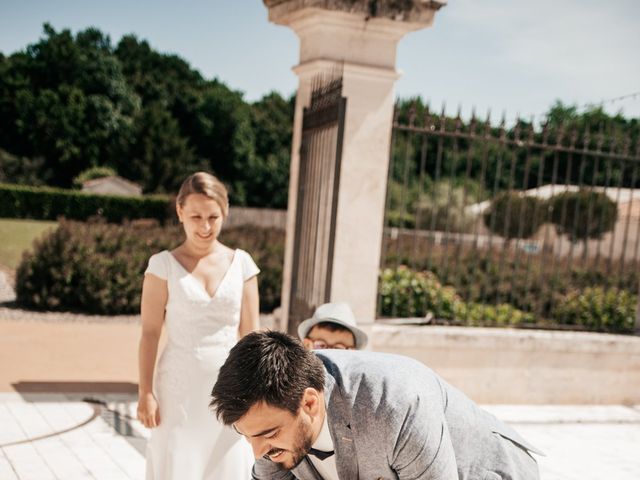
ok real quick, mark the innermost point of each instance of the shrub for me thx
(406, 293)
(513, 215)
(502, 315)
(445, 206)
(610, 310)
(43, 203)
(92, 268)
(583, 214)
(441, 205)
(97, 267)
(400, 219)
(535, 284)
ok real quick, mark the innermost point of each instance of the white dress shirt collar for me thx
(327, 467)
(324, 441)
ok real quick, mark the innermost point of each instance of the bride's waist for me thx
(201, 338)
(214, 345)
(207, 356)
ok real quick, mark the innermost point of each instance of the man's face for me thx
(276, 434)
(320, 337)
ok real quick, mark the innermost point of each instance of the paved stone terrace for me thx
(50, 430)
(48, 436)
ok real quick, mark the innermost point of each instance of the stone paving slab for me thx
(586, 451)
(58, 435)
(561, 414)
(580, 442)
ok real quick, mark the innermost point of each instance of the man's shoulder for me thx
(380, 377)
(378, 396)
(359, 361)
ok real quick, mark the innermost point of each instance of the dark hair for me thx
(270, 367)
(332, 327)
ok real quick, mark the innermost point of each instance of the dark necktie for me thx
(320, 454)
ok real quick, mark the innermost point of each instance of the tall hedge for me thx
(44, 203)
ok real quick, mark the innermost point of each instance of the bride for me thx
(207, 296)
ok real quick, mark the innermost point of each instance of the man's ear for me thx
(308, 343)
(311, 401)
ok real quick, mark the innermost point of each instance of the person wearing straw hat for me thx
(332, 325)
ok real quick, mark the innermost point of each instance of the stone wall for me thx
(523, 366)
(258, 217)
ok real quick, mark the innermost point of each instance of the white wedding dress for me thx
(189, 443)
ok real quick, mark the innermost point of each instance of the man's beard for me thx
(300, 449)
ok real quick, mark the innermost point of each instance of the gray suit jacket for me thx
(390, 417)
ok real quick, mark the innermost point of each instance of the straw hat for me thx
(339, 313)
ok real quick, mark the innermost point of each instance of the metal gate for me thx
(526, 224)
(318, 183)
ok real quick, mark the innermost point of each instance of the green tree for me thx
(584, 214)
(592, 129)
(64, 99)
(445, 206)
(513, 215)
(158, 77)
(504, 166)
(223, 135)
(75, 102)
(209, 120)
(272, 124)
(159, 158)
(25, 170)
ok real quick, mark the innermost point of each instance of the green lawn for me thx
(16, 236)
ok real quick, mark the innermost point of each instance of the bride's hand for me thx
(148, 411)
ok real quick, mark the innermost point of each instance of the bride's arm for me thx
(152, 308)
(250, 310)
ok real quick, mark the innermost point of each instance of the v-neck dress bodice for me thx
(189, 443)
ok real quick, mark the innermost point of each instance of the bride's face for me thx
(201, 218)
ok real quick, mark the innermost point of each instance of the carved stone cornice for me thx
(411, 11)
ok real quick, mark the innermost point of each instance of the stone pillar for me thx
(358, 38)
(636, 328)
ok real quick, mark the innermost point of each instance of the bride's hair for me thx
(205, 184)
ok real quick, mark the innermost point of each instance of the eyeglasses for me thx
(321, 344)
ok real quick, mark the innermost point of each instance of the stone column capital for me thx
(352, 31)
(419, 12)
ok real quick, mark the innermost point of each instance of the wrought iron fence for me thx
(518, 221)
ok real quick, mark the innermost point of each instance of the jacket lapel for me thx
(306, 470)
(339, 422)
